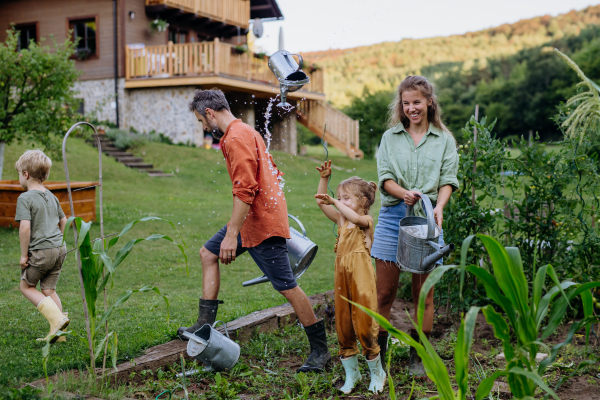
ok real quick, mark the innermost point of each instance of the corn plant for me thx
(524, 316)
(94, 261)
(532, 317)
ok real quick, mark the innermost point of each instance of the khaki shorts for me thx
(44, 266)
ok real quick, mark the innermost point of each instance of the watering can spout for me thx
(438, 255)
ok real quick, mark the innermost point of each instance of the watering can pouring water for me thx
(288, 72)
(301, 252)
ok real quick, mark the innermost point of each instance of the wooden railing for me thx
(233, 12)
(332, 125)
(204, 58)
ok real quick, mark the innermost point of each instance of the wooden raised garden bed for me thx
(84, 201)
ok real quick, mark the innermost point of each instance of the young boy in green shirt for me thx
(42, 224)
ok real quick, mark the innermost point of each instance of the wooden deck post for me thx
(127, 63)
(170, 58)
(217, 56)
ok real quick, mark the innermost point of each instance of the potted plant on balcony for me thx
(158, 25)
(260, 56)
(240, 49)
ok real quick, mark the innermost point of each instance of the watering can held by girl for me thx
(288, 72)
(301, 252)
(418, 247)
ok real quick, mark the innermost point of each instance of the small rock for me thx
(500, 357)
(539, 357)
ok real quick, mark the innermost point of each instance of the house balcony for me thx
(209, 63)
(230, 12)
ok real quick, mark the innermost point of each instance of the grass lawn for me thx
(198, 200)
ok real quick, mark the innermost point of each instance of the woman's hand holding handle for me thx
(411, 197)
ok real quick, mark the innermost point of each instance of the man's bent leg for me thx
(211, 275)
(301, 305)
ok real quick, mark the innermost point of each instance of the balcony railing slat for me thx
(234, 12)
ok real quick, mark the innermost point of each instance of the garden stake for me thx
(77, 255)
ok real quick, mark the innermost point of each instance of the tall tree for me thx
(36, 96)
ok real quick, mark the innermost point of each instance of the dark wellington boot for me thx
(319, 353)
(207, 314)
(382, 340)
(415, 364)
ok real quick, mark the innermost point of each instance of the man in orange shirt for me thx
(258, 224)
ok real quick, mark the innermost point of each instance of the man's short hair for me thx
(36, 163)
(213, 99)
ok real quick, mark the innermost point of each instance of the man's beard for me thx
(215, 131)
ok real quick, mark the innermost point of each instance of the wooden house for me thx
(141, 74)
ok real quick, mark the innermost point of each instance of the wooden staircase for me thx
(342, 131)
(128, 159)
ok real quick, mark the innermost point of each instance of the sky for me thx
(311, 25)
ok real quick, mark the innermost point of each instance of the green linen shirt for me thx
(424, 168)
(44, 211)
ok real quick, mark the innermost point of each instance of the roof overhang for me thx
(265, 9)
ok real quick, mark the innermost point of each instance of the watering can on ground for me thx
(288, 72)
(418, 248)
(209, 346)
(301, 252)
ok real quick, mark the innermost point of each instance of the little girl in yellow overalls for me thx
(354, 274)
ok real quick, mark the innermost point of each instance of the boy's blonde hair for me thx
(36, 163)
(365, 191)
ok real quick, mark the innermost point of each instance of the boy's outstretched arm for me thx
(328, 210)
(24, 238)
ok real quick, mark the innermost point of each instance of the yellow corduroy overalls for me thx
(355, 280)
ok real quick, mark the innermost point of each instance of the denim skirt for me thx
(385, 243)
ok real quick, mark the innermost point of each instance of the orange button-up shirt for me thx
(255, 179)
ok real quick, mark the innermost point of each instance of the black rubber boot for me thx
(207, 314)
(382, 340)
(319, 353)
(415, 364)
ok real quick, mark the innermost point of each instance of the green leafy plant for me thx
(222, 389)
(36, 87)
(525, 316)
(95, 262)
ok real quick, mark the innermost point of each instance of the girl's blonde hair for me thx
(365, 191)
(36, 163)
(434, 112)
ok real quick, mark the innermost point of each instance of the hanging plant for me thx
(158, 25)
(260, 56)
(240, 49)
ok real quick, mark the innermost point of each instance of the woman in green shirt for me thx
(417, 155)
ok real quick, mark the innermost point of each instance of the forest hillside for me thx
(380, 67)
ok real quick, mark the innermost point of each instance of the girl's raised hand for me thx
(324, 198)
(325, 169)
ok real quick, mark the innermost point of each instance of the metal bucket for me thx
(215, 351)
(419, 254)
(288, 72)
(301, 252)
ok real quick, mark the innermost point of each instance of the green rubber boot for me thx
(352, 373)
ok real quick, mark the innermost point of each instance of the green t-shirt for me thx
(44, 211)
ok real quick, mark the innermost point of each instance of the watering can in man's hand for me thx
(301, 252)
(419, 253)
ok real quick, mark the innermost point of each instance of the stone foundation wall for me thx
(164, 110)
(99, 98)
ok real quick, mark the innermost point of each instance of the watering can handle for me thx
(429, 211)
(299, 223)
(300, 63)
(224, 325)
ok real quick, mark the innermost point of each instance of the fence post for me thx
(170, 58)
(217, 54)
(475, 153)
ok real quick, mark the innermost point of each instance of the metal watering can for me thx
(215, 351)
(418, 248)
(288, 72)
(301, 252)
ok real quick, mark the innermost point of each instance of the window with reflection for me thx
(85, 36)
